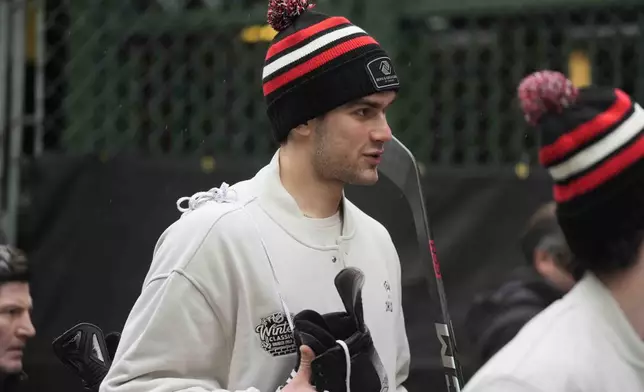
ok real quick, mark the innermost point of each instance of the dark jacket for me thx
(11, 382)
(496, 316)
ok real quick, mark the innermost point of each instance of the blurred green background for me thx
(184, 77)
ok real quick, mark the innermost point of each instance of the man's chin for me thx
(11, 366)
(366, 178)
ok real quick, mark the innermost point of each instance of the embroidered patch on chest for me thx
(275, 335)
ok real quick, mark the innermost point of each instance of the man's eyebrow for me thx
(8, 305)
(366, 102)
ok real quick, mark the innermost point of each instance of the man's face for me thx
(547, 265)
(348, 141)
(15, 325)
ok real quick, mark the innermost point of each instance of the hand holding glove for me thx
(345, 357)
(87, 352)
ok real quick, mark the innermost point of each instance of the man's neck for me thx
(315, 197)
(628, 290)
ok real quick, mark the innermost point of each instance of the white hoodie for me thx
(210, 318)
(581, 343)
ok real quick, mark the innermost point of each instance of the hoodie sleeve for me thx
(176, 338)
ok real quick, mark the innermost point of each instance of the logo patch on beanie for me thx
(382, 73)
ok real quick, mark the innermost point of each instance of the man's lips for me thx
(374, 157)
(377, 155)
(15, 352)
(16, 347)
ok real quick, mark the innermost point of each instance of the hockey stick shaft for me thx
(400, 166)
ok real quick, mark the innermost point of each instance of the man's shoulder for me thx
(544, 354)
(208, 219)
(204, 210)
(545, 370)
(495, 316)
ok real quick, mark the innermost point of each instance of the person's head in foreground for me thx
(592, 145)
(545, 248)
(15, 309)
(327, 85)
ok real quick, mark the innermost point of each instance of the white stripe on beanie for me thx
(598, 151)
(309, 48)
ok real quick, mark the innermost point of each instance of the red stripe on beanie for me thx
(573, 140)
(303, 34)
(316, 62)
(601, 174)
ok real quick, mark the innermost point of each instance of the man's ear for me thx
(542, 261)
(304, 130)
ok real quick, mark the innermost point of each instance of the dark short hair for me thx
(14, 266)
(542, 231)
(542, 224)
(616, 237)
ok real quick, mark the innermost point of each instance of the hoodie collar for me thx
(283, 209)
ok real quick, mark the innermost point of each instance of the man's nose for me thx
(383, 133)
(26, 328)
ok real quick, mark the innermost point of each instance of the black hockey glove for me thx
(87, 352)
(345, 357)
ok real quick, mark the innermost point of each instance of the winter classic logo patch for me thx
(275, 335)
(382, 73)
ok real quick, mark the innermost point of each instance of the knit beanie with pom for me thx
(592, 144)
(317, 63)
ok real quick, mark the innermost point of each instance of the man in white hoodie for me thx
(227, 277)
(592, 144)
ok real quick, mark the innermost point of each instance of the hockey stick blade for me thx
(400, 167)
(82, 348)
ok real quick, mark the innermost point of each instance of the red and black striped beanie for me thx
(317, 63)
(592, 144)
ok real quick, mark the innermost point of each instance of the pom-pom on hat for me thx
(317, 63)
(592, 144)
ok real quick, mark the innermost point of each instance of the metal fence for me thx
(159, 77)
(460, 108)
(170, 76)
(184, 76)
(13, 115)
